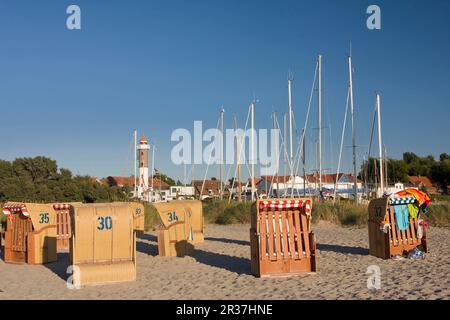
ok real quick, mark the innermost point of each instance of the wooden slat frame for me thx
(282, 240)
(278, 250)
(305, 235)
(284, 235)
(298, 234)
(291, 235)
(271, 232)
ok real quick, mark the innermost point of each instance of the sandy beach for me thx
(219, 268)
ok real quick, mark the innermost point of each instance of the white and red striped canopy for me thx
(286, 204)
(15, 208)
(61, 206)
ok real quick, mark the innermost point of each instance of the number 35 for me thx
(43, 218)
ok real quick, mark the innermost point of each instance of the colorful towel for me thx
(402, 216)
(420, 196)
(413, 210)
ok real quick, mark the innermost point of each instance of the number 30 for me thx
(104, 223)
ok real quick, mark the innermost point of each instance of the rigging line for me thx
(330, 131)
(285, 155)
(283, 143)
(238, 159)
(207, 165)
(241, 144)
(308, 112)
(371, 133)
(284, 147)
(297, 154)
(300, 150)
(277, 161)
(342, 144)
(371, 139)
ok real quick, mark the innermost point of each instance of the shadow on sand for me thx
(148, 237)
(59, 267)
(343, 249)
(144, 246)
(230, 263)
(225, 240)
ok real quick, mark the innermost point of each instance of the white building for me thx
(182, 192)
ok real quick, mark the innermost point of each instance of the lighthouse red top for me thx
(143, 139)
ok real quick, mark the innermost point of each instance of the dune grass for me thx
(438, 215)
(348, 214)
(222, 212)
(2, 221)
(219, 212)
(345, 214)
(151, 219)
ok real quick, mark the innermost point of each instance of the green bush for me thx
(2, 221)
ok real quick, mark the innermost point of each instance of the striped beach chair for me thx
(385, 238)
(281, 239)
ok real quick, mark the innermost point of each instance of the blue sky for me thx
(76, 96)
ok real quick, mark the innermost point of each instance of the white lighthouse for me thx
(143, 148)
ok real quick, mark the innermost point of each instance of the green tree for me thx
(440, 173)
(39, 180)
(165, 178)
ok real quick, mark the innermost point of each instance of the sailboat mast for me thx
(284, 152)
(238, 160)
(385, 168)
(291, 153)
(153, 169)
(252, 145)
(184, 174)
(193, 177)
(303, 162)
(274, 119)
(355, 190)
(221, 154)
(380, 143)
(135, 163)
(320, 121)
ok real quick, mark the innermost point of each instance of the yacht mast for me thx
(238, 160)
(380, 143)
(274, 119)
(252, 146)
(135, 163)
(221, 154)
(320, 121)
(355, 191)
(284, 153)
(291, 153)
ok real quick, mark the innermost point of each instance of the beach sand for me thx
(219, 268)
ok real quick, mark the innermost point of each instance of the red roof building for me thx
(423, 182)
(129, 182)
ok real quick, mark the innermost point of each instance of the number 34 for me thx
(104, 223)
